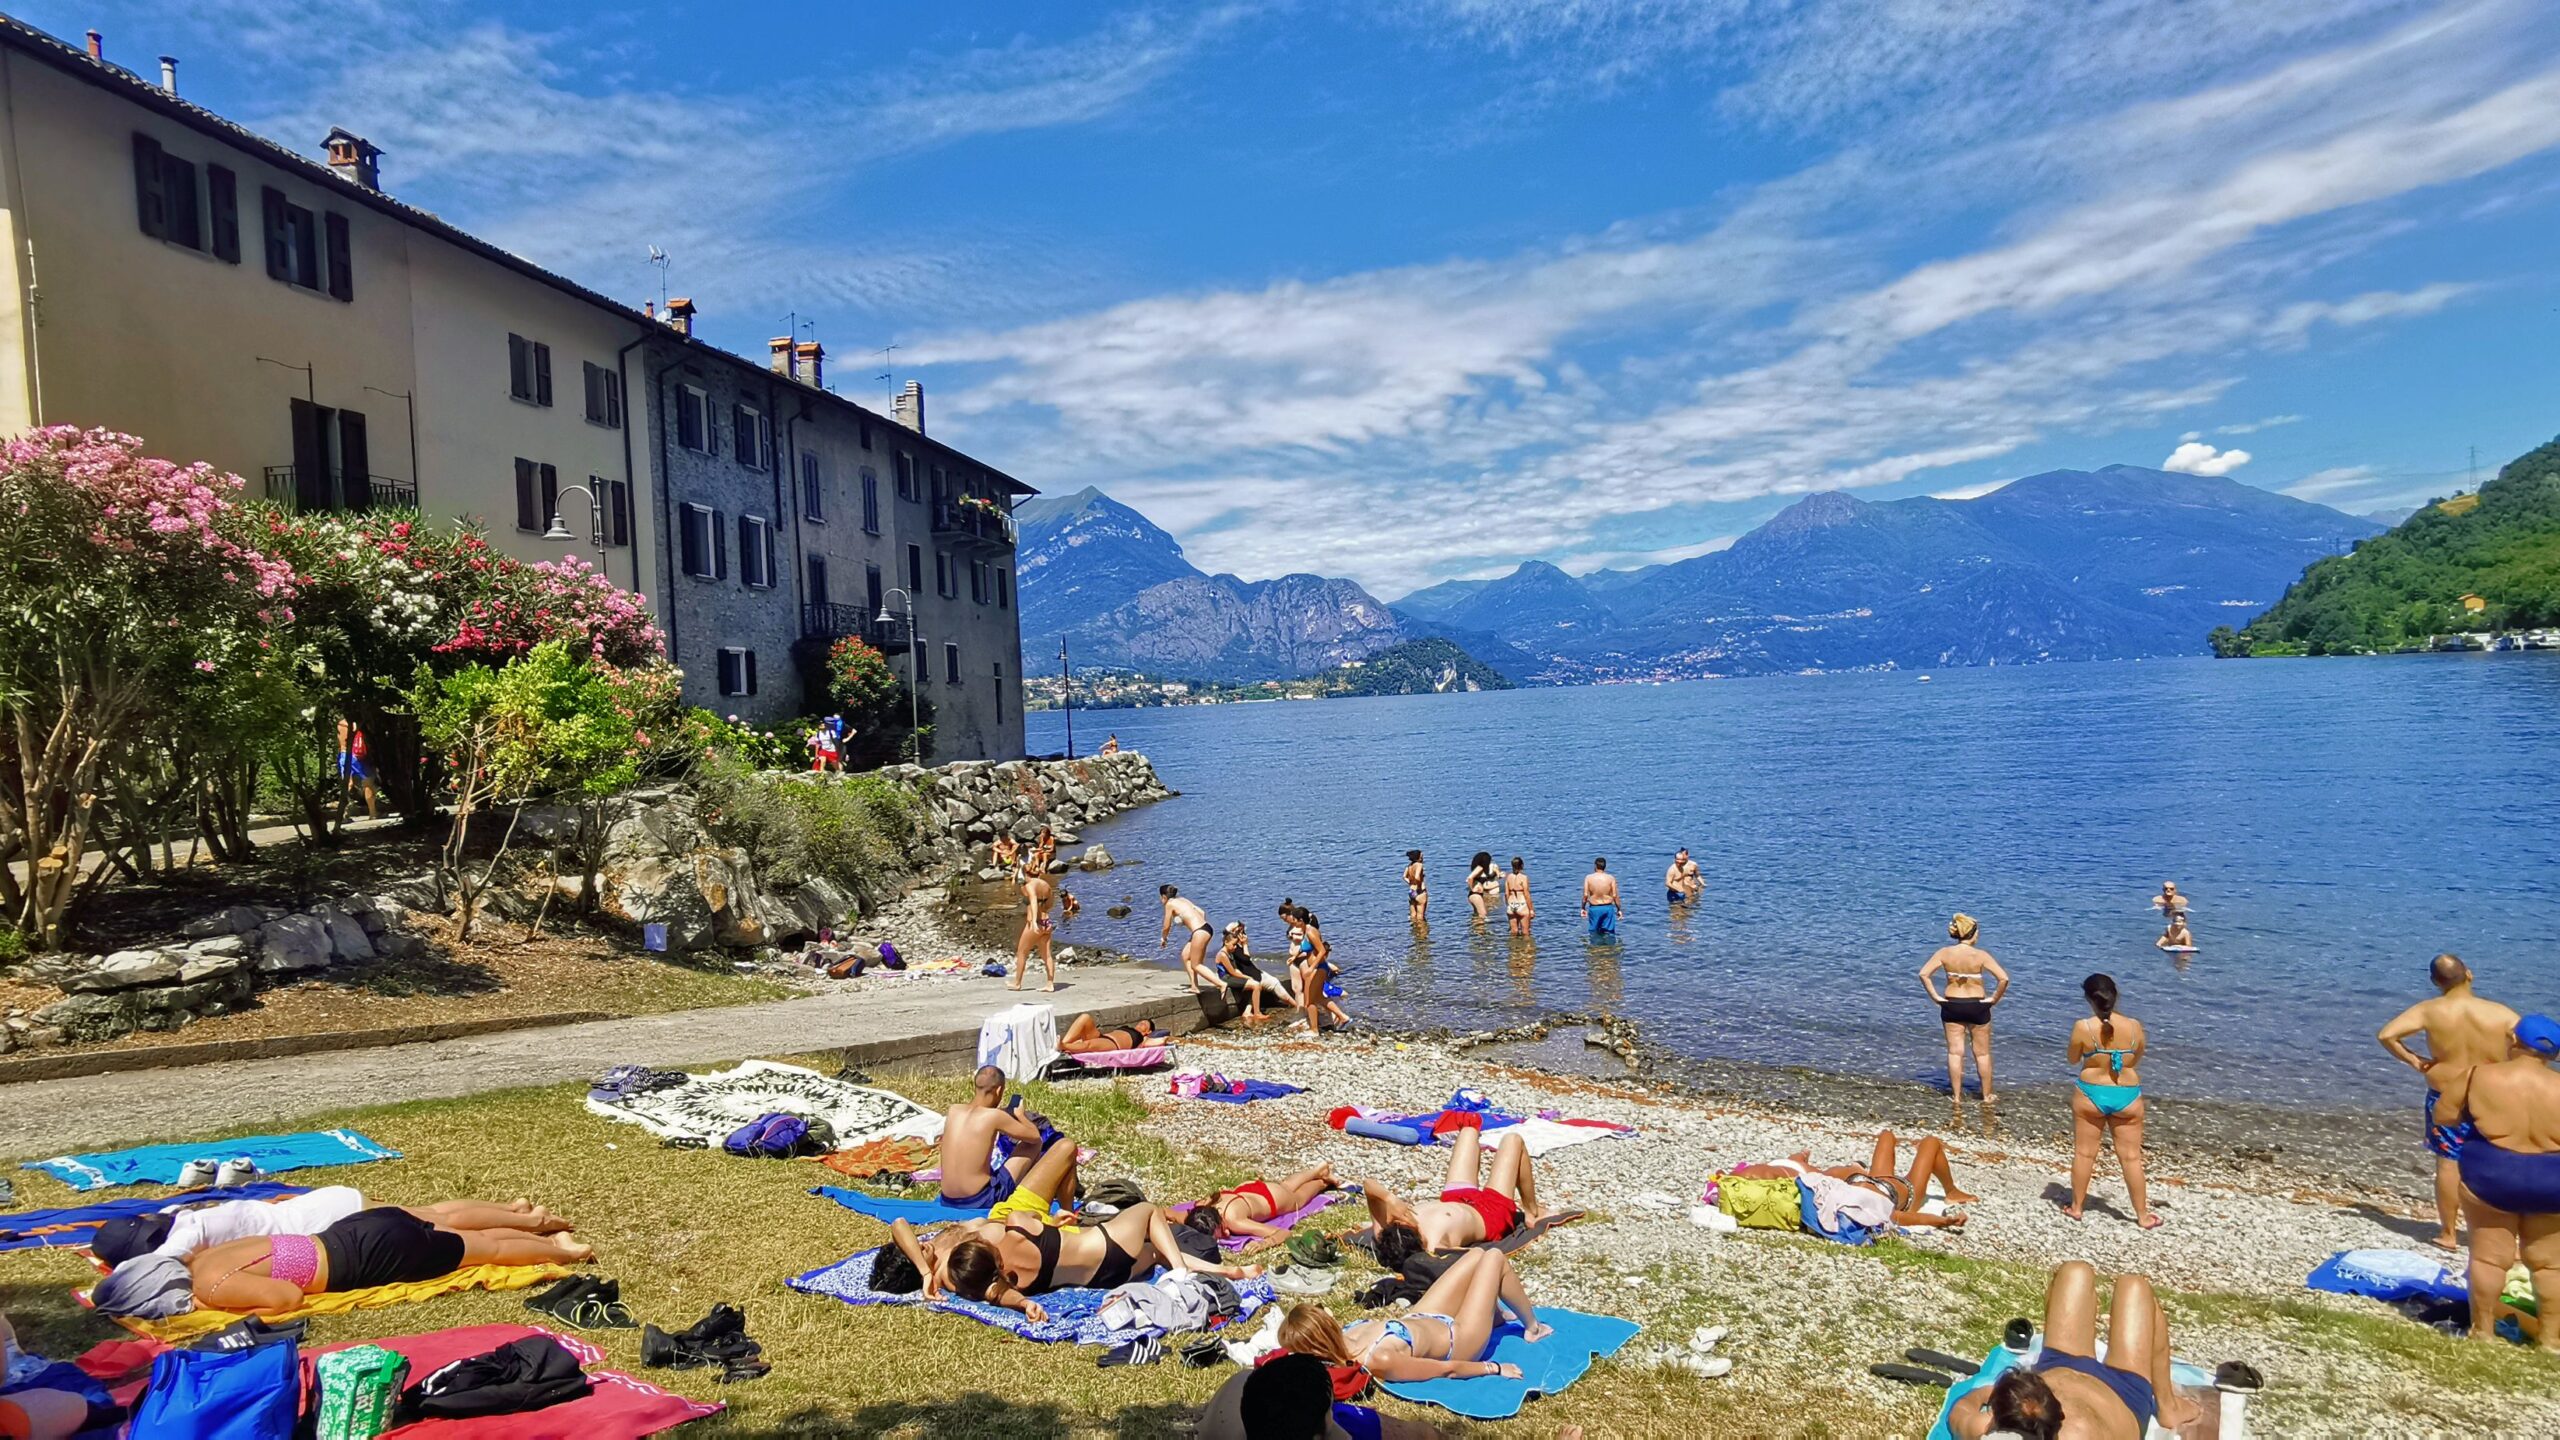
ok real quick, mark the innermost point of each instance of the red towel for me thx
(617, 1408)
(1457, 1120)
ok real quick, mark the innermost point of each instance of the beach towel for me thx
(1238, 1244)
(1543, 1135)
(161, 1164)
(201, 1321)
(1848, 1230)
(897, 1155)
(709, 1108)
(616, 1407)
(2182, 1374)
(1252, 1090)
(885, 1208)
(1365, 1239)
(1020, 1041)
(78, 1224)
(1075, 1315)
(2390, 1276)
(1546, 1367)
(1145, 1057)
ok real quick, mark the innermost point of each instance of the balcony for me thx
(973, 525)
(831, 623)
(325, 490)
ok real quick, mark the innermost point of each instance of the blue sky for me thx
(1411, 291)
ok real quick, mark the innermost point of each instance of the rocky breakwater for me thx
(212, 967)
(975, 801)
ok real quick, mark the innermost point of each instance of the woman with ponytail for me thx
(2108, 1049)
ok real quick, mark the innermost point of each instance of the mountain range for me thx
(2066, 565)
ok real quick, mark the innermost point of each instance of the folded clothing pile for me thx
(718, 1338)
(624, 1081)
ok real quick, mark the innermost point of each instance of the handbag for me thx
(253, 1394)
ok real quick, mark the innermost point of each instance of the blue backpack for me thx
(774, 1136)
(222, 1395)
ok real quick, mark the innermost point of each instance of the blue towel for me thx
(62, 1375)
(1546, 1368)
(2339, 1275)
(1074, 1314)
(1850, 1231)
(1253, 1090)
(160, 1164)
(15, 1229)
(884, 1208)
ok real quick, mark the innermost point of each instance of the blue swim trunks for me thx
(1000, 1181)
(1604, 919)
(2444, 1142)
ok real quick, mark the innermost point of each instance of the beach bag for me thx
(774, 1136)
(1761, 1204)
(253, 1394)
(1189, 1083)
(1316, 1250)
(358, 1392)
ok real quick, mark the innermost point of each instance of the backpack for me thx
(253, 1394)
(779, 1135)
(528, 1374)
(1761, 1204)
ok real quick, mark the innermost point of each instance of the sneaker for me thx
(235, 1172)
(1707, 1217)
(1707, 1338)
(196, 1174)
(1708, 1367)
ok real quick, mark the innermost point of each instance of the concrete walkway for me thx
(876, 1020)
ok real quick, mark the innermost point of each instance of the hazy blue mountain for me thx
(1536, 607)
(2390, 519)
(1436, 602)
(1077, 556)
(1604, 583)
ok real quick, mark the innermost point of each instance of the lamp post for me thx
(915, 642)
(559, 533)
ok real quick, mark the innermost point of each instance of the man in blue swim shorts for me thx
(986, 1145)
(1600, 898)
(2462, 1030)
(2511, 1171)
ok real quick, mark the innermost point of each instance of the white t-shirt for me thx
(211, 1225)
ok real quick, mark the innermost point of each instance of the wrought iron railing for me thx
(953, 518)
(835, 622)
(336, 491)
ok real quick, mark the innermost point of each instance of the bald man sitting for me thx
(2461, 1030)
(2511, 1172)
(986, 1145)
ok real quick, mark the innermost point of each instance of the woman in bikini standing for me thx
(1965, 1007)
(1484, 885)
(1516, 901)
(2108, 1099)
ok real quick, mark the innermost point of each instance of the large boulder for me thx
(659, 890)
(822, 904)
(293, 942)
(1095, 858)
(85, 1019)
(347, 940)
(230, 920)
(126, 969)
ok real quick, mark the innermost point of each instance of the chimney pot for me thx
(680, 315)
(355, 158)
(911, 406)
(785, 362)
(813, 358)
(97, 46)
(169, 73)
(649, 308)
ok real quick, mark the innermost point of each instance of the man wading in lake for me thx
(2462, 1030)
(1600, 899)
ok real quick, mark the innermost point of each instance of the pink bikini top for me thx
(294, 1259)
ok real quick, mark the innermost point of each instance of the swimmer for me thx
(1417, 890)
(1484, 885)
(2462, 1030)
(1195, 949)
(2169, 901)
(1600, 900)
(1517, 904)
(1965, 1008)
(2177, 936)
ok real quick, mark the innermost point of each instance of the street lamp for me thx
(915, 643)
(559, 533)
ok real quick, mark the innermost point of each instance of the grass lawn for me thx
(682, 1229)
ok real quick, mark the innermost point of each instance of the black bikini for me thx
(1117, 1264)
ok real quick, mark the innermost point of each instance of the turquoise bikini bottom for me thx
(2111, 1099)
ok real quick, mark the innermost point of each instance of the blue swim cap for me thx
(2539, 1034)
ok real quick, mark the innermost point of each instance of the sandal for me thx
(600, 1308)
(1909, 1374)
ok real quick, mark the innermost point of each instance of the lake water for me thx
(2337, 823)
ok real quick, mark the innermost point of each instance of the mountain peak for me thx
(1815, 512)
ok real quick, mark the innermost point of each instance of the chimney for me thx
(813, 357)
(783, 358)
(911, 406)
(680, 315)
(355, 158)
(169, 73)
(649, 308)
(97, 46)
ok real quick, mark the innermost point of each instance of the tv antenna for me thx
(887, 375)
(660, 259)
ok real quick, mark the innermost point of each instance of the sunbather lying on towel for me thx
(987, 1146)
(268, 1274)
(1467, 1213)
(184, 1230)
(1022, 1249)
(1928, 1162)
(1444, 1335)
(2069, 1393)
(1242, 1210)
(1085, 1036)
(40, 1414)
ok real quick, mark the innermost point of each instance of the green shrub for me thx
(13, 945)
(860, 831)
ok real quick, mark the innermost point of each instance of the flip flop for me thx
(1909, 1374)
(1942, 1360)
(2239, 1377)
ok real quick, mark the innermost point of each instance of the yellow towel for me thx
(179, 1329)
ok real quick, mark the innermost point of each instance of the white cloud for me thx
(2197, 458)
(2322, 483)
(1970, 492)
(2252, 427)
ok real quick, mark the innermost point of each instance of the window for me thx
(693, 419)
(942, 573)
(604, 396)
(915, 569)
(818, 580)
(978, 582)
(866, 434)
(169, 207)
(755, 552)
(872, 593)
(906, 477)
(222, 203)
(293, 241)
(813, 495)
(529, 370)
(951, 664)
(1004, 589)
(870, 502)
(705, 545)
(615, 496)
(342, 273)
(537, 495)
(753, 439)
(737, 671)
(999, 692)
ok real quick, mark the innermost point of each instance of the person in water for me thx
(1311, 966)
(1674, 886)
(1195, 948)
(1236, 958)
(1085, 1036)
(1484, 885)
(1473, 1207)
(1964, 1007)
(2068, 1394)
(1906, 1191)
(1443, 1337)
(1691, 881)
(2176, 936)
(1038, 929)
(2169, 901)
(1600, 899)
(2108, 1049)
(1244, 1211)
(2511, 1171)
(2461, 1030)
(987, 1145)
(1417, 890)
(273, 1274)
(1517, 904)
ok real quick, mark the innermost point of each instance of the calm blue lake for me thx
(2337, 823)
